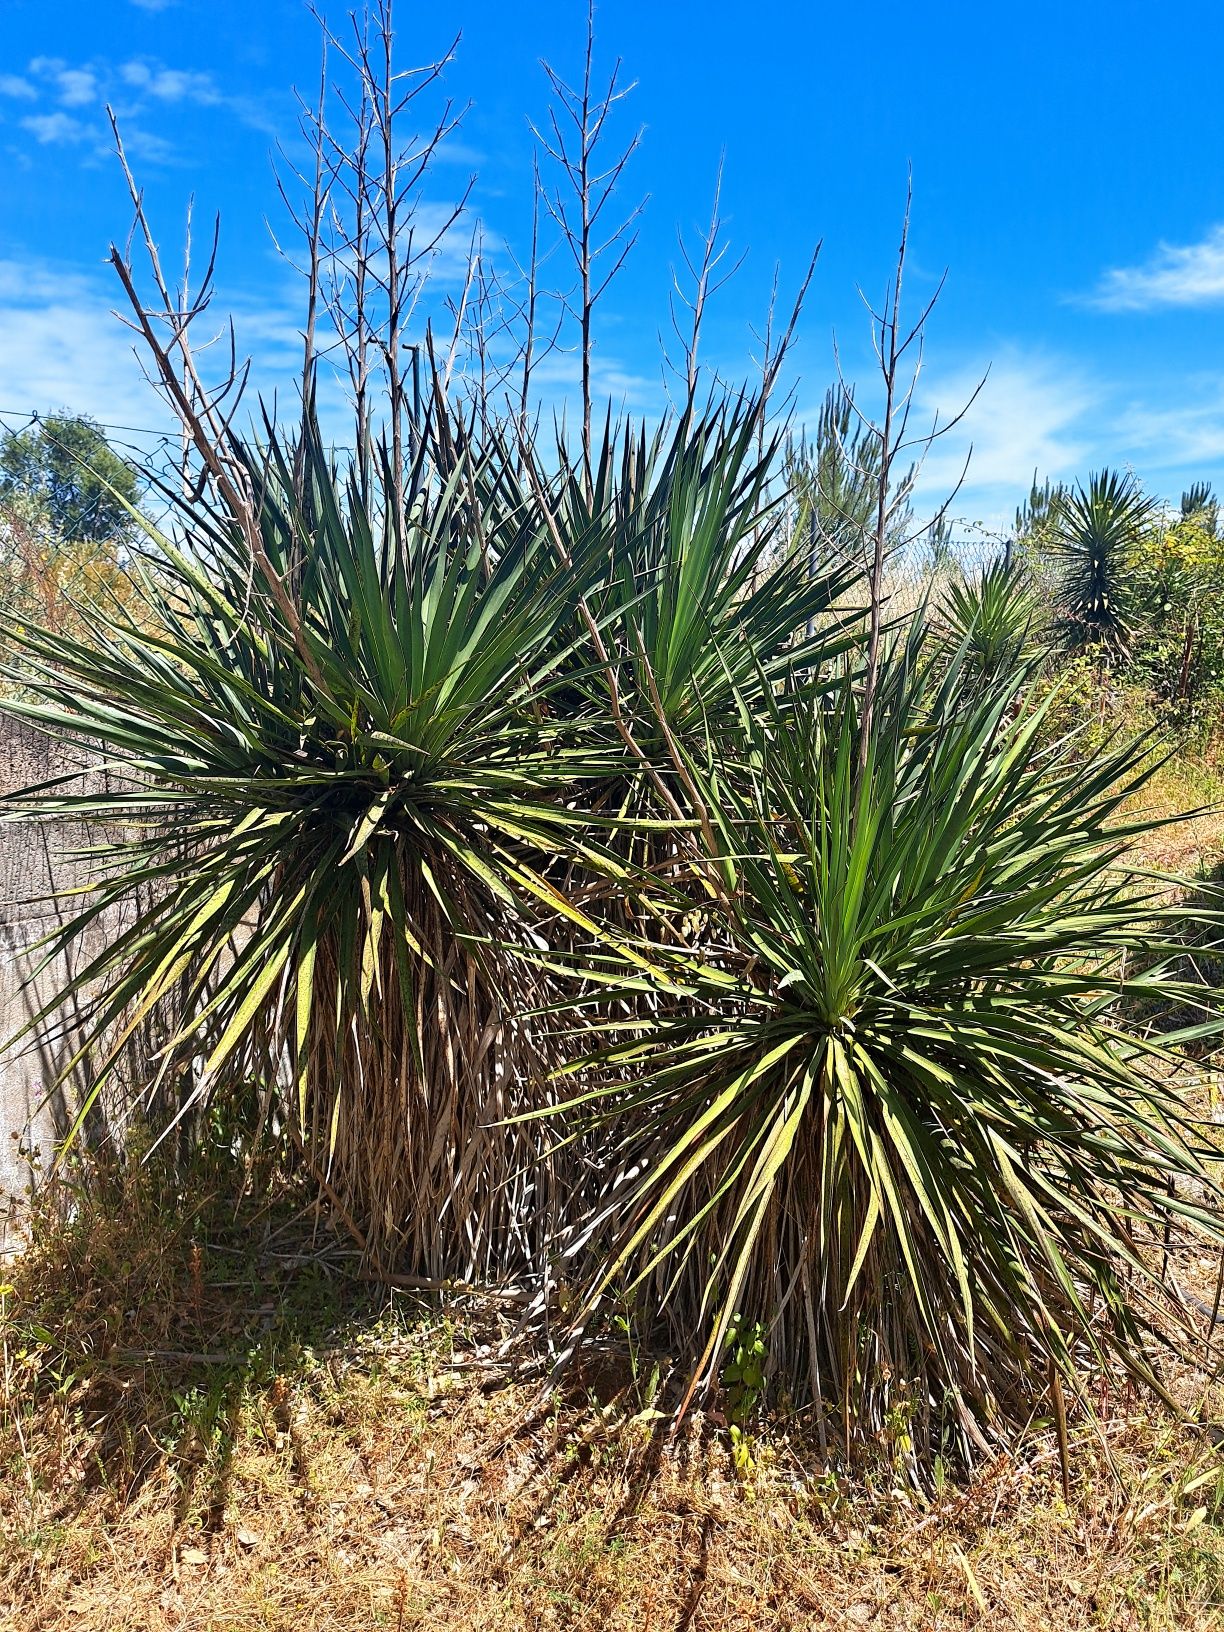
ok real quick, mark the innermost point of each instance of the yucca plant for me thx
(342, 824)
(1096, 528)
(889, 1112)
(1198, 502)
(700, 610)
(991, 620)
(699, 614)
(324, 833)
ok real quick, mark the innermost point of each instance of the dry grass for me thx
(1193, 848)
(208, 1423)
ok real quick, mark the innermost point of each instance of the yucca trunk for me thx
(410, 1109)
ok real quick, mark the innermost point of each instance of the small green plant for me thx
(743, 1371)
(992, 621)
(743, 1453)
(645, 1383)
(898, 1424)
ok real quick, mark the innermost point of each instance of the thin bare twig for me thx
(574, 142)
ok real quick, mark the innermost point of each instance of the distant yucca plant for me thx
(1095, 529)
(891, 1110)
(991, 620)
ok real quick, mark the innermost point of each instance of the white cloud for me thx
(454, 151)
(171, 84)
(78, 87)
(452, 240)
(145, 86)
(56, 129)
(187, 86)
(154, 5)
(1176, 275)
(147, 145)
(557, 380)
(1050, 416)
(1033, 414)
(61, 347)
(1184, 436)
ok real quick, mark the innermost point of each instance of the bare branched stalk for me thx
(893, 347)
(184, 306)
(890, 352)
(205, 413)
(530, 303)
(460, 310)
(369, 245)
(575, 142)
(705, 276)
(535, 344)
(309, 220)
(776, 342)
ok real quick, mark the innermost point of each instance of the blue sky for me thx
(1066, 162)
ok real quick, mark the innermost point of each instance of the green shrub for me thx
(343, 822)
(326, 831)
(1092, 535)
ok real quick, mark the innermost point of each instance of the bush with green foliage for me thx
(367, 814)
(1178, 599)
(65, 463)
(66, 531)
(1093, 534)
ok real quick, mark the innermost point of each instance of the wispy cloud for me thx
(73, 97)
(56, 129)
(154, 5)
(1185, 435)
(153, 81)
(1033, 413)
(147, 145)
(171, 84)
(453, 151)
(1046, 414)
(61, 347)
(78, 87)
(1176, 275)
(72, 87)
(558, 383)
